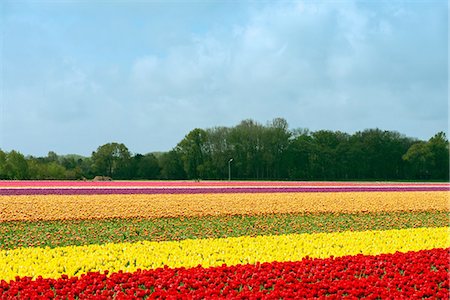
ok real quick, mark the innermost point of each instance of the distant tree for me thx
(270, 151)
(377, 154)
(41, 168)
(52, 157)
(145, 167)
(16, 166)
(440, 148)
(172, 166)
(275, 142)
(55, 171)
(217, 152)
(246, 142)
(192, 151)
(429, 160)
(3, 174)
(324, 162)
(299, 155)
(419, 157)
(111, 160)
(75, 166)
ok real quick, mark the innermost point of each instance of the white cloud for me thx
(323, 65)
(317, 64)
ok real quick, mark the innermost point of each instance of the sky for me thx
(79, 74)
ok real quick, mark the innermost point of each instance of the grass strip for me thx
(85, 232)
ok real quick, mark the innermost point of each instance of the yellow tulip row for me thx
(57, 207)
(76, 260)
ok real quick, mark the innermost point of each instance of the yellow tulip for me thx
(76, 260)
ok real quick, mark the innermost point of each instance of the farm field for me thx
(218, 239)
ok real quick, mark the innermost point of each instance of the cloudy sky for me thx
(79, 74)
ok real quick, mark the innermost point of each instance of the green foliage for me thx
(13, 165)
(112, 160)
(429, 160)
(144, 167)
(262, 152)
(172, 166)
(192, 151)
(3, 174)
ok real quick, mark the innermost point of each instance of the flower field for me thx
(251, 240)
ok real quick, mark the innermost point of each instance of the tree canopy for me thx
(112, 160)
(259, 152)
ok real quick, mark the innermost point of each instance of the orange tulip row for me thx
(69, 207)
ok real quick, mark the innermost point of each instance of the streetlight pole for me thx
(229, 169)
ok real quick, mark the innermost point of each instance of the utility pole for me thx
(229, 169)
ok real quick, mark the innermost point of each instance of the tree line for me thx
(252, 151)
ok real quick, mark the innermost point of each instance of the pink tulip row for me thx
(143, 184)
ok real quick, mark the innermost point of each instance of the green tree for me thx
(52, 157)
(440, 149)
(3, 165)
(429, 160)
(419, 157)
(299, 154)
(43, 168)
(246, 143)
(16, 166)
(377, 154)
(73, 165)
(172, 166)
(192, 152)
(145, 167)
(217, 152)
(111, 160)
(275, 141)
(325, 163)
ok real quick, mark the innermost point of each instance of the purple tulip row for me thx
(208, 190)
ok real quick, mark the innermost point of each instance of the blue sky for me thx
(79, 74)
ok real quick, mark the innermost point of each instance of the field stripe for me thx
(208, 183)
(56, 207)
(76, 260)
(210, 190)
(85, 232)
(413, 275)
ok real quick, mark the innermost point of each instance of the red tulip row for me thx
(412, 275)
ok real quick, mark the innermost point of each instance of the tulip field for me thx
(219, 239)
